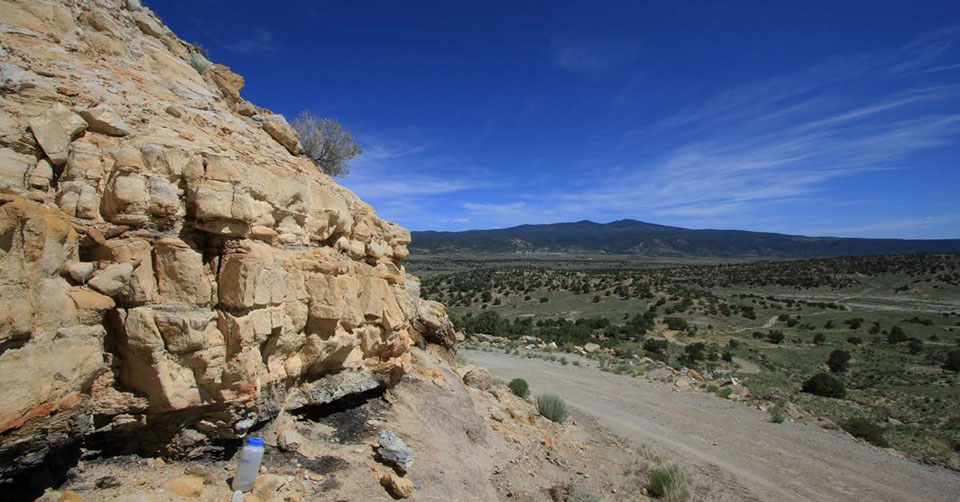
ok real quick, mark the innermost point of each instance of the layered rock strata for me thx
(171, 269)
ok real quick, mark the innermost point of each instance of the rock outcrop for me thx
(171, 271)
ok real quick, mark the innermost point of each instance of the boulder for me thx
(147, 23)
(289, 440)
(105, 120)
(12, 77)
(229, 82)
(54, 129)
(14, 167)
(479, 378)
(90, 300)
(81, 271)
(590, 348)
(397, 487)
(694, 374)
(112, 280)
(266, 487)
(278, 129)
(247, 109)
(393, 451)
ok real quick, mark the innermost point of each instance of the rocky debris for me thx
(393, 451)
(430, 318)
(478, 377)
(531, 340)
(54, 129)
(694, 374)
(112, 280)
(278, 129)
(147, 23)
(174, 277)
(247, 109)
(186, 486)
(590, 348)
(13, 78)
(105, 120)
(85, 299)
(497, 340)
(289, 440)
(396, 486)
(107, 482)
(266, 487)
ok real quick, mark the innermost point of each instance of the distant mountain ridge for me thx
(641, 238)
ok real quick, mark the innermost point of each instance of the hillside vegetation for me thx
(884, 331)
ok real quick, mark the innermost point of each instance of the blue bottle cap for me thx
(255, 441)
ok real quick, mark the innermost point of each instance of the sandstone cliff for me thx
(172, 272)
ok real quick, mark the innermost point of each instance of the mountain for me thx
(640, 238)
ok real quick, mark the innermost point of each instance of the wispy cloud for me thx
(590, 55)
(887, 226)
(771, 142)
(401, 179)
(257, 42)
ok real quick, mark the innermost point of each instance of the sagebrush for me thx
(552, 407)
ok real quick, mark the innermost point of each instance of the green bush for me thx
(519, 387)
(819, 338)
(953, 360)
(676, 323)
(865, 429)
(855, 340)
(552, 407)
(777, 415)
(655, 346)
(839, 361)
(668, 483)
(896, 335)
(826, 385)
(776, 336)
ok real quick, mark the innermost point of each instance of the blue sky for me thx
(817, 118)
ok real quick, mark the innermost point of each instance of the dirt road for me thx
(733, 449)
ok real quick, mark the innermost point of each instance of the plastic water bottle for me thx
(249, 465)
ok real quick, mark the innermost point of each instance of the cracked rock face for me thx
(181, 268)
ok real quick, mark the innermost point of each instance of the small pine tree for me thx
(953, 360)
(896, 335)
(826, 385)
(839, 361)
